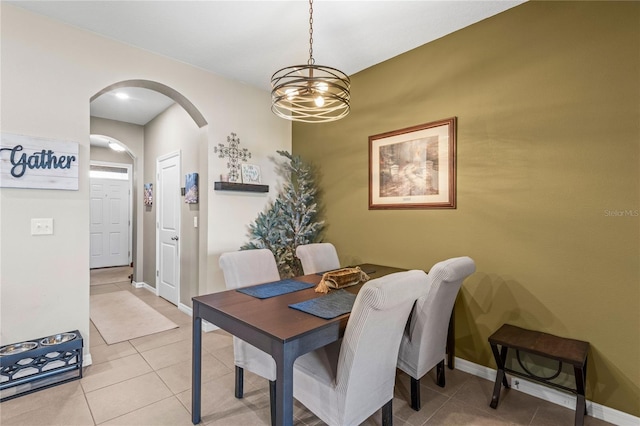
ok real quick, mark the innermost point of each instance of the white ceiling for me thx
(140, 107)
(250, 40)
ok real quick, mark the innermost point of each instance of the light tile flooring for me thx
(147, 381)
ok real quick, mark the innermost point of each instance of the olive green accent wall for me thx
(547, 97)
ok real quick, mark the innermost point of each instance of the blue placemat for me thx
(330, 306)
(277, 288)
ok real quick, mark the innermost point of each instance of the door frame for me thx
(158, 200)
(129, 168)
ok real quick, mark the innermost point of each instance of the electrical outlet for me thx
(42, 226)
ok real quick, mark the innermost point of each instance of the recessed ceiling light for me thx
(116, 146)
(122, 95)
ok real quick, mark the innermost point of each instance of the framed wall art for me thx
(148, 194)
(29, 162)
(251, 174)
(414, 168)
(191, 188)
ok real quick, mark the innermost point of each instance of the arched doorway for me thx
(145, 267)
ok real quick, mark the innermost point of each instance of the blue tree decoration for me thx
(290, 220)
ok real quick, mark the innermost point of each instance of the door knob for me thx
(174, 238)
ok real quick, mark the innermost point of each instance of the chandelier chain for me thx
(311, 61)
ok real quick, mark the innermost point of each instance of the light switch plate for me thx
(42, 226)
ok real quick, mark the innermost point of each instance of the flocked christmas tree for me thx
(290, 220)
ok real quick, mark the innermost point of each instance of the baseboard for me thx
(206, 326)
(86, 360)
(186, 309)
(552, 395)
(144, 285)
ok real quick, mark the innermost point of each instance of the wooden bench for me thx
(573, 352)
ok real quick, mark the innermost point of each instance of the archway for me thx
(192, 115)
(169, 92)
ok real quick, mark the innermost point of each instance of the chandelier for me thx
(310, 93)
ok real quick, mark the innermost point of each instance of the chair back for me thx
(248, 267)
(367, 362)
(317, 257)
(424, 345)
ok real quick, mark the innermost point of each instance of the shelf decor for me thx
(234, 154)
(250, 173)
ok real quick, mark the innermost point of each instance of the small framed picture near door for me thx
(414, 168)
(191, 189)
(148, 194)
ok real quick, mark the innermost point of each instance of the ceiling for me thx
(250, 40)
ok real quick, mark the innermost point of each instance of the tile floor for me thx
(147, 381)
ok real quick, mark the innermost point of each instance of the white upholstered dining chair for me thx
(424, 341)
(241, 269)
(317, 257)
(347, 381)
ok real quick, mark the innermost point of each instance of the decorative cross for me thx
(234, 154)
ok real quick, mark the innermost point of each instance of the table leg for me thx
(284, 385)
(196, 378)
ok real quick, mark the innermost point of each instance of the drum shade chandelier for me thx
(310, 93)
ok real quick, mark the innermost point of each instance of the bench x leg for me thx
(581, 406)
(501, 378)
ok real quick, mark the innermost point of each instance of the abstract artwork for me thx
(148, 194)
(191, 189)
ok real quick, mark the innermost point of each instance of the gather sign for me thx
(37, 163)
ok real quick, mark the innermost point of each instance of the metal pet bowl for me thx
(17, 348)
(57, 338)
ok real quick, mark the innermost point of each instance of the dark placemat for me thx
(336, 303)
(276, 288)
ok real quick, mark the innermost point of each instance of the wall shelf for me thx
(246, 187)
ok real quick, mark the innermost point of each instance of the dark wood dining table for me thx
(270, 325)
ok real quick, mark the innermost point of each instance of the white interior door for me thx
(109, 223)
(168, 226)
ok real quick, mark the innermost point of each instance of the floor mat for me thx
(121, 316)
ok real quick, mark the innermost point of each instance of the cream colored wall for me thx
(228, 226)
(49, 72)
(548, 107)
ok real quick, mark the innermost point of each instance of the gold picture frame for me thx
(414, 168)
